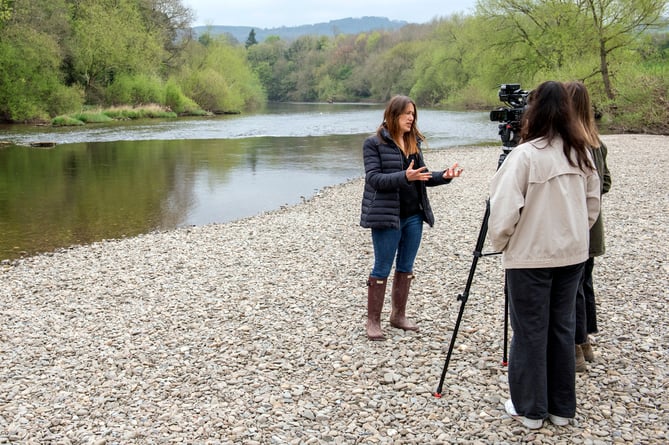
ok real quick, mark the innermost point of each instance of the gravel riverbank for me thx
(252, 332)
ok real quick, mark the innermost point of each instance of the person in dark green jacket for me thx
(586, 311)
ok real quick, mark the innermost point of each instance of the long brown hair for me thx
(550, 115)
(580, 101)
(394, 109)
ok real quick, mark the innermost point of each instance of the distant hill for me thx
(331, 28)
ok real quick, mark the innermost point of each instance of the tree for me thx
(251, 40)
(392, 72)
(442, 69)
(110, 38)
(49, 17)
(268, 62)
(31, 51)
(557, 32)
(170, 21)
(617, 24)
(30, 84)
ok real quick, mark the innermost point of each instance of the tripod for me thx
(478, 253)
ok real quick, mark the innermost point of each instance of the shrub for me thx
(135, 90)
(66, 121)
(90, 117)
(64, 100)
(641, 110)
(146, 111)
(178, 102)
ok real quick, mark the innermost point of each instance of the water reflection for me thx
(80, 193)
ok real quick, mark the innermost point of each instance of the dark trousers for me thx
(541, 359)
(586, 309)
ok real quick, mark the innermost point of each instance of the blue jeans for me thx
(403, 242)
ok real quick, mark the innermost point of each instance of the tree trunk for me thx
(604, 68)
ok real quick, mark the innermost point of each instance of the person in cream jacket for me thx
(543, 200)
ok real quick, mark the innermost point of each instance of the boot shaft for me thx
(400, 295)
(376, 293)
(401, 286)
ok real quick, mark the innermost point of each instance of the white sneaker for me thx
(558, 421)
(532, 424)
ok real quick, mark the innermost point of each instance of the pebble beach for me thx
(252, 332)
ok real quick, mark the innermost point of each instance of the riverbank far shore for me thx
(252, 332)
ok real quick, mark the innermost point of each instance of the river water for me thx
(127, 178)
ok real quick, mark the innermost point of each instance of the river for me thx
(127, 178)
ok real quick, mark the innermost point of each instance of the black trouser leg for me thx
(541, 360)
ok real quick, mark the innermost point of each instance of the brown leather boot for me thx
(376, 292)
(400, 295)
(580, 360)
(588, 354)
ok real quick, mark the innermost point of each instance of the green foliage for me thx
(88, 117)
(110, 39)
(550, 34)
(63, 99)
(642, 103)
(56, 55)
(251, 40)
(267, 60)
(460, 61)
(393, 71)
(50, 17)
(291, 71)
(148, 111)
(66, 121)
(5, 11)
(178, 102)
(441, 65)
(115, 113)
(143, 89)
(29, 76)
(135, 90)
(219, 78)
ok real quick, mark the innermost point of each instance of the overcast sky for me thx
(277, 13)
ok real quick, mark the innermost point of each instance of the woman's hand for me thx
(420, 174)
(453, 172)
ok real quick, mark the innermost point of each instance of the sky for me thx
(278, 13)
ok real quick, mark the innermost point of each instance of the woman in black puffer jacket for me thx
(394, 206)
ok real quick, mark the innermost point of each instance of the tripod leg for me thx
(437, 393)
(505, 359)
(465, 294)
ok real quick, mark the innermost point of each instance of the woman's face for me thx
(405, 120)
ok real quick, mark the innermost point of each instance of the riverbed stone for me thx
(253, 331)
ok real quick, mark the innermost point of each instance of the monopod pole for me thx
(478, 252)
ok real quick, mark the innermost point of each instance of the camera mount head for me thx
(510, 116)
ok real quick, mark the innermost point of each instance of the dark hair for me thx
(394, 109)
(550, 115)
(580, 101)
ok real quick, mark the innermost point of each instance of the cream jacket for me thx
(541, 208)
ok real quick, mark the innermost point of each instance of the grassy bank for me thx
(99, 115)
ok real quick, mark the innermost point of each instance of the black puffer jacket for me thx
(384, 177)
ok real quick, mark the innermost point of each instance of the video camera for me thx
(510, 115)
